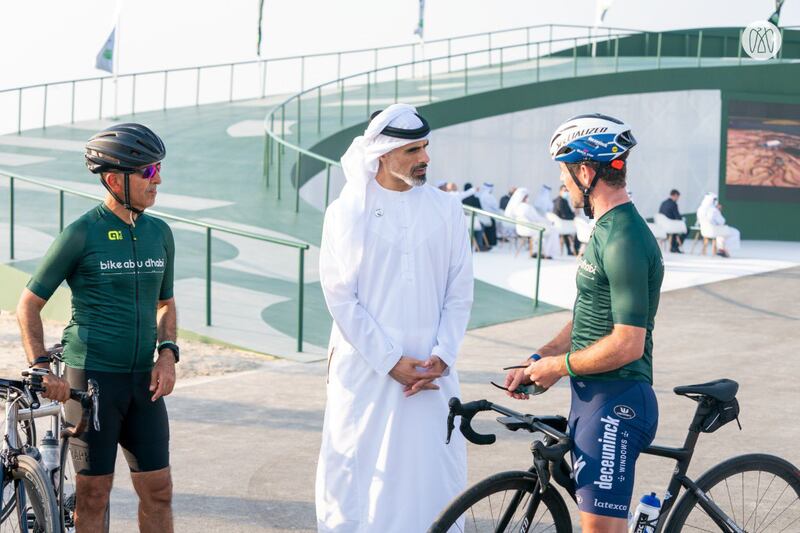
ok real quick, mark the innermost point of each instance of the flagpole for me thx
(261, 64)
(115, 58)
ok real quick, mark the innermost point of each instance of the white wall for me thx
(678, 134)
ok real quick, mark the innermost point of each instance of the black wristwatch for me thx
(41, 359)
(169, 345)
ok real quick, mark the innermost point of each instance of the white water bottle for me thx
(49, 451)
(644, 519)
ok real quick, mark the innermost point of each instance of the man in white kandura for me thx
(396, 272)
(712, 224)
(518, 208)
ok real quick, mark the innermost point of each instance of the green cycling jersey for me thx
(117, 274)
(619, 282)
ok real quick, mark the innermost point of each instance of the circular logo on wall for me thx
(761, 40)
(623, 411)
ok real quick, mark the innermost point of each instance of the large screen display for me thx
(763, 151)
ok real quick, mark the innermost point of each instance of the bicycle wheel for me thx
(505, 502)
(65, 489)
(758, 492)
(35, 504)
(64, 482)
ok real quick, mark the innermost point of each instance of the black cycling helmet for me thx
(123, 148)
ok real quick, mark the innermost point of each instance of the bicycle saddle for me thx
(723, 390)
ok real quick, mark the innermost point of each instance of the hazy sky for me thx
(49, 40)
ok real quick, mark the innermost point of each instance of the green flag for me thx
(105, 59)
(421, 23)
(260, 17)
(775, 16)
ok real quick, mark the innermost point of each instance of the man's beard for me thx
(414, 181)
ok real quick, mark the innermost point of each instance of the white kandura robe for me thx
(384, 465)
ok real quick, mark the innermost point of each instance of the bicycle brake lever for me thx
(451, 425)
(94, 395)
(34, 383)
(540, 464)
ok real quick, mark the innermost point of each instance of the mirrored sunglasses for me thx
(150, 171)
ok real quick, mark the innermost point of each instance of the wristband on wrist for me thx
(569, 370)
(41, 359)
(171, 346)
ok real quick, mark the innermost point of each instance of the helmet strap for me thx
(587, 206)
(127, 190)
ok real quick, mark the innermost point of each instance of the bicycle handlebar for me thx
(89, 400)
(467, 411)
(546, 424)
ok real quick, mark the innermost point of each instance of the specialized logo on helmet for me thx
(114, 235)
(625, 412)
(761, 40)
(565, 138)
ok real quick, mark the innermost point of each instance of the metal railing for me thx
(301, 247)
(89, 98)
(473, 212)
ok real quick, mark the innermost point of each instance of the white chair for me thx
(583, 228)
(565, 229)
(673, 228)
(659, 233)
(476, 226)
(526, 234)
(709, 232)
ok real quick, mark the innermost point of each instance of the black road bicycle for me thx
(748, 493)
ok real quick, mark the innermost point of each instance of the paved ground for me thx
(244, 446)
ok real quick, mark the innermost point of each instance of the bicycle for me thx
(526, 501)
(29, 501)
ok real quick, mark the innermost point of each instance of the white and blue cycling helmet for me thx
(592, 138)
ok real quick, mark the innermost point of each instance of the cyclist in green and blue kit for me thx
(607, 347)
(119, 264)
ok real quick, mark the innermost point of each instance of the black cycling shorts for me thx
(127, 417)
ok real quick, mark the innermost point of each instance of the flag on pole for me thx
(420, 31)
(260, 17)
(777, 14)
(105, 59)
(601, 11)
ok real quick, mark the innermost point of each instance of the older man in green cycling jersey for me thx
(118, 263)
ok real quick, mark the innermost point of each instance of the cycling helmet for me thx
(594, 138)
(123, 148)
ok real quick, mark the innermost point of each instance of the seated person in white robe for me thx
(712, 224)
(396, 272)
(519, 209)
